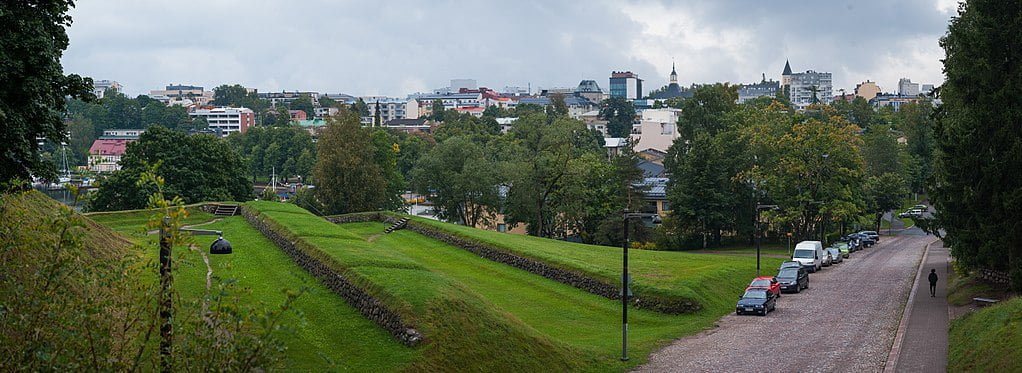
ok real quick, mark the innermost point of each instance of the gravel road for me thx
(845, 321)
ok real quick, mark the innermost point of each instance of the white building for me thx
(226, 120)
(907, 88)
(99, 87)
(806, 88)
(182, 95)
(656, 129)
(390, 108)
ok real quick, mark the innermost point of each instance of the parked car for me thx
(912, 213)
(873, 235)
(768, 283)
(758, 301)
(843, 248)
(828, 259)
(866, 240)
(854, 243)
(790, 264)
(810, 254)
(921, 207)
(835, 254)
(793, 279)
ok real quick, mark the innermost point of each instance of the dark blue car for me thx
(756, 301)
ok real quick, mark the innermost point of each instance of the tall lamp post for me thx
(625, 290)
(220, 246)
(759, 235)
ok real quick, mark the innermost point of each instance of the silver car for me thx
(835, 254)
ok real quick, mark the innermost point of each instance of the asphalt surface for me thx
(846, 321)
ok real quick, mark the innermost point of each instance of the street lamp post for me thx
(220, 246)
(759, 235)
(625, 291)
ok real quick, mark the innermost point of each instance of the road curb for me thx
(892, 357)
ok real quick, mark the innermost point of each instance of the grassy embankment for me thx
(987, 340)
(328, 335)
(479, 314)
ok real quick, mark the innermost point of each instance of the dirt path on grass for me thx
(846, 321)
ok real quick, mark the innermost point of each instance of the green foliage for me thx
(288, 150)
(303, 103)
(32, 96)
(976, 188)
(917, 123)
(348, 177)
(705, 110)
(238, 96)
(536, 160)
(459, 176)
(619, 114)
(197, 168)
(858, 112)
(438, 111)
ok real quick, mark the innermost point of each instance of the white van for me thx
(810, 254)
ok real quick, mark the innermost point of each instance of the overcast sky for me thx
(399, 47)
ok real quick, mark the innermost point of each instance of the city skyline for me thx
(406, 48)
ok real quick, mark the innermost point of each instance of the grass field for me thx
(662, 273)
(425, 279)
(133, 223)
(329, 334)
(987, 340)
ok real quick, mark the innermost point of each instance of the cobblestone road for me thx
(845, 321)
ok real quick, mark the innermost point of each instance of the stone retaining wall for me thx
(993, 276)
(366, 304)
(670, 305)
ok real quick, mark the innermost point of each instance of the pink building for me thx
(105, 154)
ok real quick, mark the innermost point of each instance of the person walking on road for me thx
(933, 282)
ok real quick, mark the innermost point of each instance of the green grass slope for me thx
(435, 285)
(668, 274)
(987, 340)
(329, 334)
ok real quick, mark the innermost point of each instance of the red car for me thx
(769, 283)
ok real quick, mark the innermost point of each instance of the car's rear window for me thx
(760, 283)
(788, 273)
(755, 294)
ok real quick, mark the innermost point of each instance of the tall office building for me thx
(625, 84)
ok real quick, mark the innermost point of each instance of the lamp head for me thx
(220, 246)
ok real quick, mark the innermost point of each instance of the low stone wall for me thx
(992, 276)
(575, 279)
(366, 304)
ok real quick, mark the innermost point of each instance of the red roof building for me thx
(105, 154)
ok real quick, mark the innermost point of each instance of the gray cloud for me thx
(398, 47)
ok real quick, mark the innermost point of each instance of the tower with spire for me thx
(786, 74)
(674, 74)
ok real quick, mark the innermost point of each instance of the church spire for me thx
(674, 74)
(787, 68)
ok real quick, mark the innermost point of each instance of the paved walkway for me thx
(925, 340)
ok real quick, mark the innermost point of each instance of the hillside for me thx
(427, 281)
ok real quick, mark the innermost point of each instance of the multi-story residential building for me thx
(297, 115)
(656, 129)
(894, 101)
(516, 91)
(390, 108)
(99, 87)
(625, 84)
(424, 102)
(765, 88)
(907, 88)
(183, 95)
(867, 90)
(926, 89)
(807, 88)
(323, 112)
(106, 152)
(226, 120)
